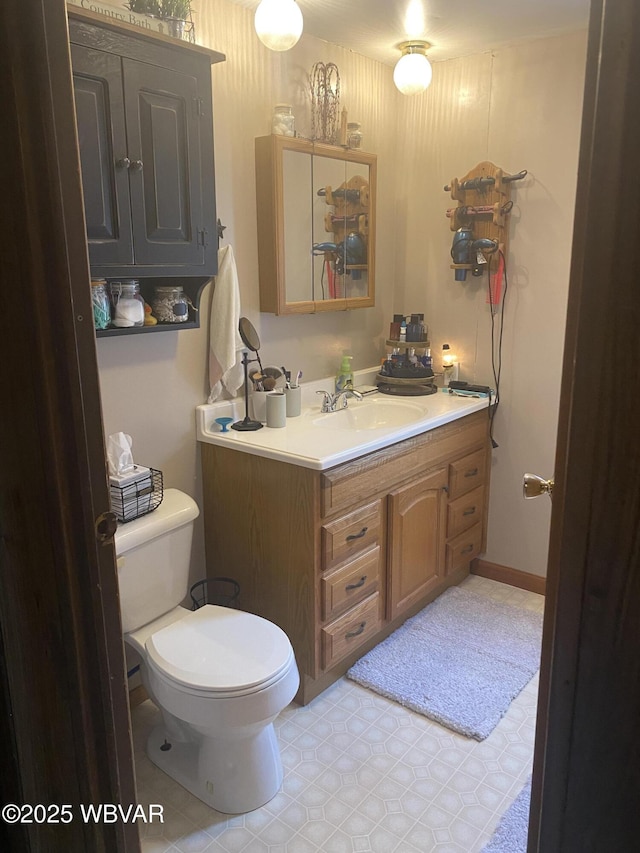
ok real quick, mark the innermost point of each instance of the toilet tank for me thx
(153, 554)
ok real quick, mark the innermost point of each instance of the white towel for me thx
(225, 343)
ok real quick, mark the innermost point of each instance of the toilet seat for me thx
(219, 652)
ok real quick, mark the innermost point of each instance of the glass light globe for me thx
(278, 23)
(412, 73)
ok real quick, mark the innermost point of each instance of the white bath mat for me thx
(513, 829)
(460, 661)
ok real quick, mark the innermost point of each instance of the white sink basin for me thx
(371, 414)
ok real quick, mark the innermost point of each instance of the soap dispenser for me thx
(344, 377)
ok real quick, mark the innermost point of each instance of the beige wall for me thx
(520, 108)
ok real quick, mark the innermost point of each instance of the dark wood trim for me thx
(586, 779)
(65, 681)
(505, 574)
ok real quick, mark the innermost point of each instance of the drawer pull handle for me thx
(357, 585)
(467, 550)
(353, 536)
(472, 472)
(357, 632)
(469, 511)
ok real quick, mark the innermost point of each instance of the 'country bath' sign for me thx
(121, 13)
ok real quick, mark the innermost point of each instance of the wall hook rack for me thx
(484, 205)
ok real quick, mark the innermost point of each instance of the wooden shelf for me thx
(141, 330)
(407, 344)
(192, 287)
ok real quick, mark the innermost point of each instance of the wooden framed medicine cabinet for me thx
(316, 226)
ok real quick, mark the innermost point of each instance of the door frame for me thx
(63, 680)
(63, 691)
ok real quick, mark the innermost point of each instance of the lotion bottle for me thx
(344, 376)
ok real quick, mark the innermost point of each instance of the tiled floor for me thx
(361, 774)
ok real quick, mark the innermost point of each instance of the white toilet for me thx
(219, 676)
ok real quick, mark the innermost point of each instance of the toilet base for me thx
(233, 776)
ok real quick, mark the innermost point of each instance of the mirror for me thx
(251, 340)
(316, 226)
(248, 334)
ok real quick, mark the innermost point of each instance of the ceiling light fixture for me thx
(278, 23)
(413, 71)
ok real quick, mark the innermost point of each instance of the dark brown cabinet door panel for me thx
(97, 78)
(164, 175)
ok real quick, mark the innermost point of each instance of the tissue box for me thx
(137, 493)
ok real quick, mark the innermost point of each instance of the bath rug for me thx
(460, 661)
(513, 829)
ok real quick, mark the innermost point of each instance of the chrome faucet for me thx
(335, 402)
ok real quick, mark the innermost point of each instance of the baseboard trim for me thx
(505, 574)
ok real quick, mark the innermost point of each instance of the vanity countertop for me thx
(321, 441)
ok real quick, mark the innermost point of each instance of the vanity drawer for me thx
(350, 584)
(343, 636)
(462, 549)
(465, 512)
(350, 535)
(466, 473)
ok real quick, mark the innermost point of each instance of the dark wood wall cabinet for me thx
(145, 133)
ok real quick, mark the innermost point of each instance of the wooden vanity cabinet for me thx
(340, 558)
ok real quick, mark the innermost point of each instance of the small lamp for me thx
(450, 365)
(413, 71)
(278, 23)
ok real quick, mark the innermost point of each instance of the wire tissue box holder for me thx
(139, 497)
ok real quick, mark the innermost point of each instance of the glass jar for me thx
(128, 304)
(354, 134)
(283, 121)
(101, 303)
(170, 304)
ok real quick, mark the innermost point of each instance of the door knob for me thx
(534, 486)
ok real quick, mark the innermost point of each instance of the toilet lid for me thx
(217, 649)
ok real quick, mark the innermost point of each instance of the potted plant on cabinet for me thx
(176, 13)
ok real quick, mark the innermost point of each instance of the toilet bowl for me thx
(219, 676)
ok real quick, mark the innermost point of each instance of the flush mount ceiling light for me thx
(278, 23)
(413, 71)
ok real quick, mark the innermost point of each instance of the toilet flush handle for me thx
(106, 525)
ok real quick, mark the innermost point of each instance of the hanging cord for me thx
(496, 364)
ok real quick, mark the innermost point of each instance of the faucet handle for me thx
(327, 401)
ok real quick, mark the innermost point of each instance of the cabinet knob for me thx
(357, 585)
(136, 165)
(123, 163)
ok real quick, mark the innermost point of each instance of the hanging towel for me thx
(225, 343)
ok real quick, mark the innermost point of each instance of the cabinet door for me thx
(417, 531)
(162, 111)
(97, 78)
